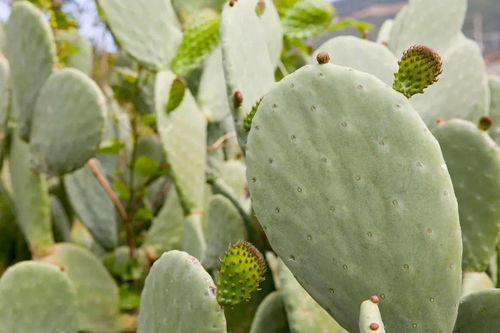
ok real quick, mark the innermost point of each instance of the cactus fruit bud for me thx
(374, 326)
(323, 58)
(176, 95)
(242, 269)
(247, 123)
(232, 2)
(260, 8)
(369, 316)
(485, 123)
(237, 99)
(419, 68)
(375, 299)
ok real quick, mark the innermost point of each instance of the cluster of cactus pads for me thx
(220, 174)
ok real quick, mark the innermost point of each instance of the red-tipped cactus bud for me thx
(260, 8)
(323, 58)
(375, 299)
(237, 99)
(374, 326)
(419, 68)
(485, 123)
(242, 270)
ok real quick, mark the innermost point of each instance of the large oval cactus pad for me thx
(68, 122)
(347, 183)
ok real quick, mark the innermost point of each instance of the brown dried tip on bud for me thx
(375, 299)
(237, 99)
(485, 123)
(260, 8)
(374, 326)
(323, 58)
(440, 121)
(232, 2)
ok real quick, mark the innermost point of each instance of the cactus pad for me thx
(479, 312)
(362, 55)
(241, 271)
(93, 206)
(271, 316)
(147, 29)
(37, 297)
(70, 106)
(222, 216)
(427, 22)
(336, 157)
(200, 38)
(32, 54)
(419, 68)
(179, 296)
(474, 164)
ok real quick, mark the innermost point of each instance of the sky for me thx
(89, 23)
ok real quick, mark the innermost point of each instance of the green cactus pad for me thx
(479, 312)
(474, 164)
(194, 241)
(183, 127)
(273, 30)
(362, 55)
(462, 90)
(271, 316)
(94, 207)
(336, 157)
(246, 58)
(369, 317)
(176, 94)
(307, 18)
(96, 291)
(427, 22)
(494, 83)
(37, 297)
(147, 29)
(60, 220)
(225, 227)
(241, 271)
(77, 50)
(233, 173)
(4, 94)
(10, 234)
(212, 94)
(31, 199)
(304, 314)
(167, 229)
(473, 282)
(179, 296)
(419, 68)
(32, 54)
(70, 106)
(200, 38)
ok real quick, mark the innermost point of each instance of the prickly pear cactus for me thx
(369, 316)
(479, 312)
(362, 55)
(222, 216)
(303, 313)
(271, 315)
(183, 127)
(473, 162)
(32, 54)
(132, 20)
(339, 142)
(93, 205)
(180, 296)
(71, 106)
(96, 291)
(31, 199)
(427, 22)
(241, 271)
(37, 297)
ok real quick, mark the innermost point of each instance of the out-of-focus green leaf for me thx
(307, 18)
(111, 146)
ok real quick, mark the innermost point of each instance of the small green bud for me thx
(176, 94)
(260, 8)
(241, 271)
(419, 68)
(247, 123)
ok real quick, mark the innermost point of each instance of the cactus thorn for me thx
(323, 58)
(485, 123)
